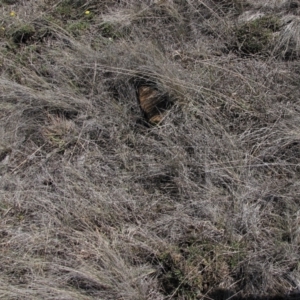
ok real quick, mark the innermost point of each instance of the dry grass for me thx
(96, 203)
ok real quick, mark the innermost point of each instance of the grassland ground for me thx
(95, 203)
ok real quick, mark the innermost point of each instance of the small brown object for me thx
(152, 104)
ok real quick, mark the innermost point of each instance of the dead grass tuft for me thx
(288, 45)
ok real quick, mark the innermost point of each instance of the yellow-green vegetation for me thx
(97, 202)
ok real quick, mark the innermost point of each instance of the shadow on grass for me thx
(227, 295)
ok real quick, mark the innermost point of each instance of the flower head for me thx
(12, 13)
(87, 12)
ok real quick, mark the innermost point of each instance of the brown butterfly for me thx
(152, 104)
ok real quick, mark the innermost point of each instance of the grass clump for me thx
(287, 45)
(78, 28)
(180, 276)
(22, 34)
(58, 132)
(108, 30)
(256, 36)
